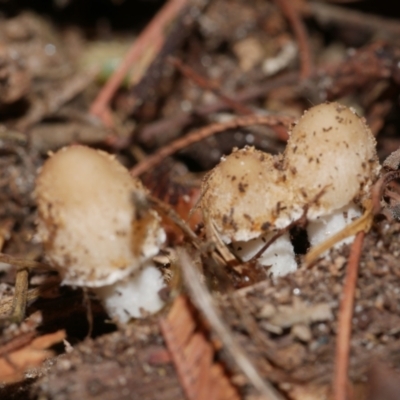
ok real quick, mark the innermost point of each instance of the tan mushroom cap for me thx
(245, 195)
(331, 152)
(91, 228)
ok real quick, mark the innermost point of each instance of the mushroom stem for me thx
(279, 256)
(133, 296)
(321, 228)
(363, 223)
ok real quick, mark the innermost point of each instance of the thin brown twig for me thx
(161, 131)
(54, 99)
(22, 263)
(340, 378)
(205, 132)
(152, 36)
(328, 14)
(293, 16)
(206, 84)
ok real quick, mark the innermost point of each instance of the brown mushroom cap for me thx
(245, 195)
(331, 157)
(91, 228)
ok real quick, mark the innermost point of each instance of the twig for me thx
(22, 263)
(150, 37)
(162, 131)
(7, 302)
(203, 300)
(21, 286)
(55, 99)
(207, 131)
(300, 32)
(20, 296)
(206, 84)
(340, 378)
(327, 14)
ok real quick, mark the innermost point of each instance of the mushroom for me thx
(98, 231)
(245, 198)
(331, 161)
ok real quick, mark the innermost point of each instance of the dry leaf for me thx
(192, 354)
(14, 364)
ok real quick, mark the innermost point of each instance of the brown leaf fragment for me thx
(192, 354)
(13, 365)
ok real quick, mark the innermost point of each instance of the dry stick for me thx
(54, 99)
(340, 378)
(22, 263)
(167, 126)
(21, 285)
(327, 15)
(200, 296)
(152, 34)
(20, 296)
(202, 133)
(300, 32)
(206, 84)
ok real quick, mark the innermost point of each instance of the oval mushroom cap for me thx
(92, 225)
(245, 195)
(331, 158)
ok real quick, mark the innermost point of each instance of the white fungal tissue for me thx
(97, 231)
(327, 169)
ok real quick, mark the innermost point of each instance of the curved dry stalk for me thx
(151, 38)
(340, 379)
(202, 133)
(300, 31)
(203, 300)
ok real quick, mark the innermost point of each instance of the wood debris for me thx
(193, 354)
(21, 349)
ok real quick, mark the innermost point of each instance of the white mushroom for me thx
(97, 230)
(245, 197)
(331, 161)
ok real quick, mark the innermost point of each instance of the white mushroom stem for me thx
(134, 296)
(324, 227)
(279, 255)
